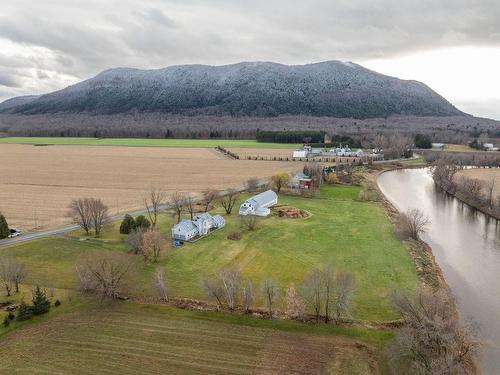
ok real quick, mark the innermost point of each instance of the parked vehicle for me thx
(14, 232)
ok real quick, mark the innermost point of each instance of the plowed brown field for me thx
(38, 182)
(486, 175)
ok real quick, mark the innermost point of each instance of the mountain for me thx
(332, 88)
(16, 102)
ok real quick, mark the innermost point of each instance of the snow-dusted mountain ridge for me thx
(331, 88)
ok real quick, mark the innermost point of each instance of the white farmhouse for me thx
(200, 226)
(259, 204)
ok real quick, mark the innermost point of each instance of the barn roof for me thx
(263, 198)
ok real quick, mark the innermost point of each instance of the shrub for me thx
(6, 321)
(249, 222)
(41, 304)
(234, 236)
(25, 312)
(11, 316)
(142, 222)
(331, 179)
(127, 224)
(57, 303)
(280, 180)
(4, 227)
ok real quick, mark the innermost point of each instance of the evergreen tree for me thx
(423, 141)
(41, 304)
(25, 312)
(142, 222)
(4, 227)
(128, 224)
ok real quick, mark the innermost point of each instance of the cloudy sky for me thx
(451, 45)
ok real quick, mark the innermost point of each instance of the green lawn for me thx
(146, 142)
(352, 236)
(128, 338)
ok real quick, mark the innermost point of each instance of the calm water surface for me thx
(466, 244)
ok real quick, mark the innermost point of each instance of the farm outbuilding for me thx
(259, 204)
(200, 226)
(301, 181)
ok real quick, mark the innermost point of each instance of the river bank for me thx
(472, 200)
(465, 245)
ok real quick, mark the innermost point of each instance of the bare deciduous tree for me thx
(229, 200)
(190, 205)
(295, 308)
(135, 240)
(214, 290)
(247, 295)
(6, 274)
(105, 273)
(344, 291)
(249, 222)
(328, 286)
(270, 294)
(153, 200)
(312, 291)
(415, 222)
(230, 281)
(252, 184)
(81, 214)
(443, 174)
(490, 189)
(99, 214)
(153, 244)
(208, 197)
(160, 284)
(432, 340)
(18, 274)
(178, 200)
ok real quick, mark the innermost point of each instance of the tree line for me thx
(457, 129)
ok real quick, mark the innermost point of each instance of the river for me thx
(466, 245)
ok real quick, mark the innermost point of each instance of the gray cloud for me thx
(8, 80)
(81, 38)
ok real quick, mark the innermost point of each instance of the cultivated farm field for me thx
(131, 338)
(484, 174)
(38, 182)
(243, 152)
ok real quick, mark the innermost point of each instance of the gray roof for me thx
(185, 225)
(218, 220)
(263, 198)
(203, 216)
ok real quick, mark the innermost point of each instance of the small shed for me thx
(301, 181)
(259, 204)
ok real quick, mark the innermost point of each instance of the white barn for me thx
(200, 226)
(259, 204)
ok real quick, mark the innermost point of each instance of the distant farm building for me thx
(439, 146)
(301, 181)
(490, 147)
(309, 152)
(201, 225)
(259, 204)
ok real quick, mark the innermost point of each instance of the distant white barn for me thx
(200, 226)
(259, 204)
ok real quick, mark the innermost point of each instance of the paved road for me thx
(28, 236)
